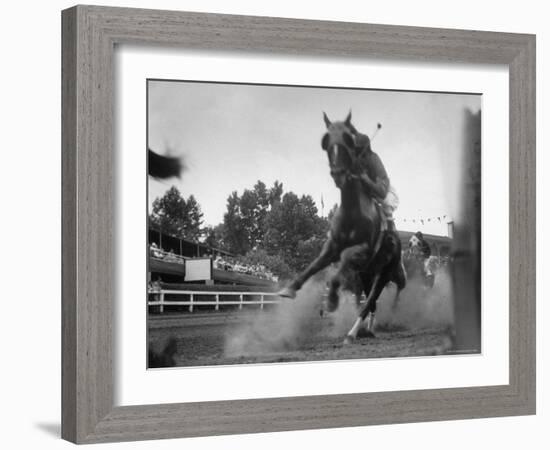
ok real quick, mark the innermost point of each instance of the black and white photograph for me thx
(308, 223)
(275, 225)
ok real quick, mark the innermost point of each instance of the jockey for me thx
(425, 249)
(375, 178)
(425, 252)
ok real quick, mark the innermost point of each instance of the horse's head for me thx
(339, 144)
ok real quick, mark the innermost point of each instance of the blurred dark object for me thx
(467, 242)
(163, 167)
(164, 357)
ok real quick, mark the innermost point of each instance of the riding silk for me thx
(371, 164)
(382, 234)
(390, 203)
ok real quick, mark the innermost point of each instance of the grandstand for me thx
(181, 261)
(186, 275)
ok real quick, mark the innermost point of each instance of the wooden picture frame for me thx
(89, 34)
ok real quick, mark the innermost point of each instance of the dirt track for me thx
(238, 337)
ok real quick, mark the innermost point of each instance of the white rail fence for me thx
(193, 301)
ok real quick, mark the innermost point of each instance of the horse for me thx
(358, 235)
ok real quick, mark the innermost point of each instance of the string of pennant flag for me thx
(443, 218)
(422, 220)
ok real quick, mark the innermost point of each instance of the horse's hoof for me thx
(349, 340)
(287, 292)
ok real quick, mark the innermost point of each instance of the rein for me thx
(354, 161)
(355, 156)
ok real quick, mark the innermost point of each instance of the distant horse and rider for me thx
(418, 260)
(362, 235)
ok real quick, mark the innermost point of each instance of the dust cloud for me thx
(284, 327)
(298, 324)
(417, 307)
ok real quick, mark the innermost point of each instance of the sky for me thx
(232, 135)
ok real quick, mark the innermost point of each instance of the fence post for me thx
(241, 299)
(161, 299)
(262, 301)
(191, 303)
(217, 302)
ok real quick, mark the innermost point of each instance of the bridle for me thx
(341, 145)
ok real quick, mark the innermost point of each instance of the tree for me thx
(254, 205)
(274, 263)
(234, 231)
(192, 226)
(177, 216)
(214, 236)
(275, 193)
(284, 231)
(307, 251)
(245, 219)
(291, 221)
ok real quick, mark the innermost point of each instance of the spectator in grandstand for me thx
(171, 257)
(219, 263)
(222, 263)
(155, 252)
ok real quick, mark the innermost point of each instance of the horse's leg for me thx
(358, 289)
(385, 264)
(345, 279)
(382, 267)
(335, 283)
(399, 277)
(368, 309)
(367, 282)
(328, 255)
(392, 263)
(356, 258)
